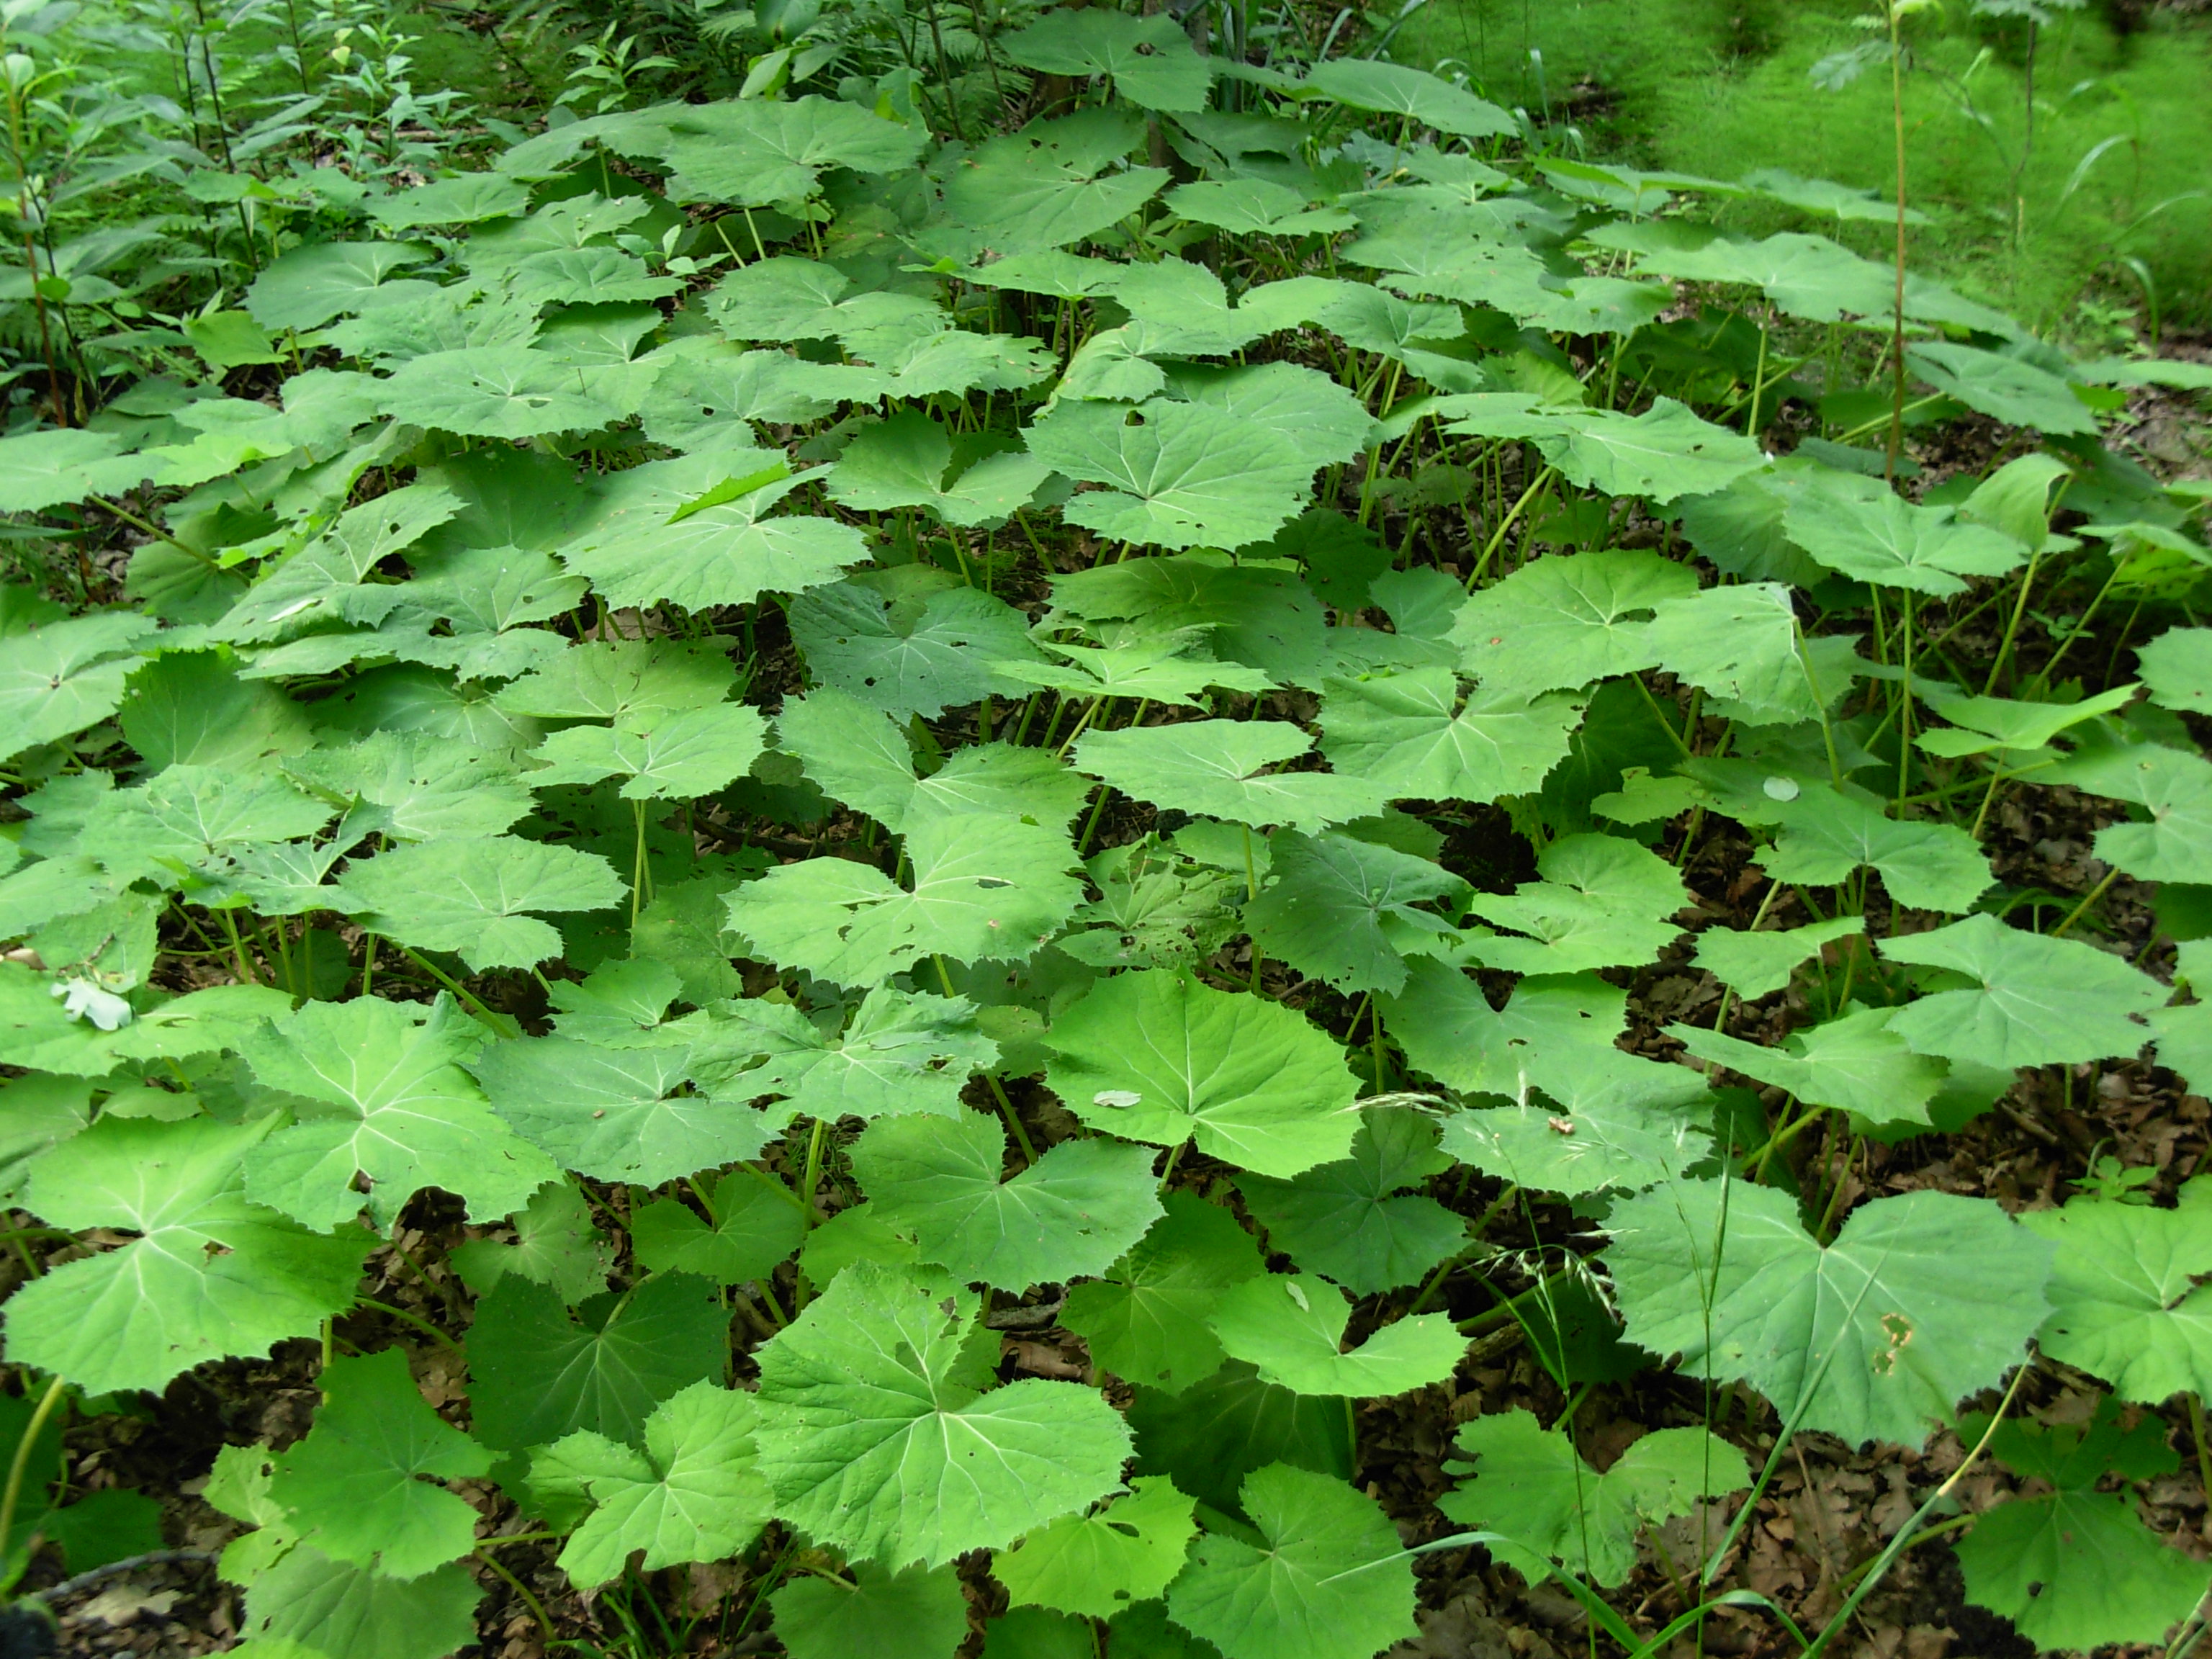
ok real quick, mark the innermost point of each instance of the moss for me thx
(1719, 87)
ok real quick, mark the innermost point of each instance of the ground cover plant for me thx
(2055, 144)
(893, 865)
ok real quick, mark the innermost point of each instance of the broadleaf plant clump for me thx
(777, 761)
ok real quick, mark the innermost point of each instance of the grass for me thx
(2108, 215)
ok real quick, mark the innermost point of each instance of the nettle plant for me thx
(797, 745)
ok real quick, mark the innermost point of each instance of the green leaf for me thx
(919, 1612)
(1854, 1063)
(904, 1051)
(1149, 58)
(191, 707)
(1068, 1216)
(40, 470)
(1156, 1056)
(1146, 1318)
(1154, 671)
(904, 460)
(1556, 1033)
(1034, 1633)
(555, 1245)
(465, 198)
(678, 757)
(308, 1604)
(1292, 1327)
(391, 1104)
(90, 1531)
(638, 551)
(752, 1229)
(1413, 734)
(100, 1528)
(2076, 1568)
(1176, 475)
(1042, 187)
(1922, 1300)
(1740, 644)
(1562, 622)
(1212, 769)
(2038, 1002)
(190, 816)
(1664, 454)
(1603, 902)
(63, 677)
(539, 1372)
(885, 1437)
(1213, 1434)
(1340, 1220)
(512, 392)
(622, 680)
(1256, 207)
(2177, 667)
(907, 657)
(984, 890)
(1531, 1484)
(1755, 964)
(1859, 528)
(209, 1276)
(1987, 724)
(230, 339)
(618, 1114)
(692, 1495)
(1128, 1549)
(784, 298)
(706, 383)
(857, 754)
(407, 786)
(2174, 786)
(352, 1484)
(621, 1004)
(1342, 910)
(1387, 88)
(1623, 1143)
(2007, 389)
(753, 152)
(1328, 1580)
(1262, 617)
(2126, 1304)
(854, 1234)
(312, 283)
(1826, 834)
(1322, 423)
(1807, 277)
(1155, 910)
(470, 897)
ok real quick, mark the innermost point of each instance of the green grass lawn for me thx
(2110, 210)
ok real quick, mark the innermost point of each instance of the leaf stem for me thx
(469, 998)
(150, 529)
(1910, 1529)
(20, 1463)
(1506, 524)
(1013, 1119)
(245, 974)
(813, 1177)
(1897, 338)
(537, 1608)
(2012, 627)
(2088, 898)
(1061, 752)
(401, 1315)
(2197, 1433)
(2042, 676)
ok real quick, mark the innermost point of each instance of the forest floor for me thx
(1825, 1516)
